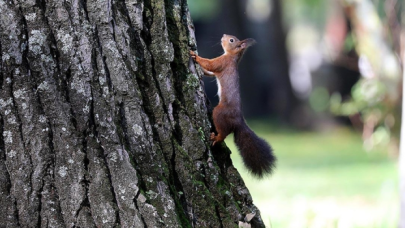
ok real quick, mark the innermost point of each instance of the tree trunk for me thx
(104, 121)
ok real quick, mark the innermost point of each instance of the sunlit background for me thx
(323, 86)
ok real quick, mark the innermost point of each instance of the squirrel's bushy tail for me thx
(257, 154)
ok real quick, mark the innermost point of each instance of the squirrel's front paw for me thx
(193, 54)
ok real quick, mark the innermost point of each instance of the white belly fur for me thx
(219, 89)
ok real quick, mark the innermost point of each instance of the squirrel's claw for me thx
(193, 54)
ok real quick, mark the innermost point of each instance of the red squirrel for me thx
(256, 153)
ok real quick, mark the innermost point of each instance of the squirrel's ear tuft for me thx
(247, 43)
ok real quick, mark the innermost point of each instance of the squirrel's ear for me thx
(247, 43)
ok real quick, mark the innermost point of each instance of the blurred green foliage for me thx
(323, 179)
(204, 10)
(350, 42)
(376, 95)
(319, 99)
(305, 11)
(367, 97)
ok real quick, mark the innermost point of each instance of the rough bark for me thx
(104, 121)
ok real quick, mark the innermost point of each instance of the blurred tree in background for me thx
(377, 94)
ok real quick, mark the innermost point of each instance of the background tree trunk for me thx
(104, 121)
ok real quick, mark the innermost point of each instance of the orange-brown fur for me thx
(227, 115)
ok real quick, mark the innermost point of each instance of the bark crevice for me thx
(114, 197)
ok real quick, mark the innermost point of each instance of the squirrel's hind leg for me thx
(223, 125)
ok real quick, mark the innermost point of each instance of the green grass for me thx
(323, 179)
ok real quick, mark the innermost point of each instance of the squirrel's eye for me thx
(231, 40)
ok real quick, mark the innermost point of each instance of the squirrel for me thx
(257, 154)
